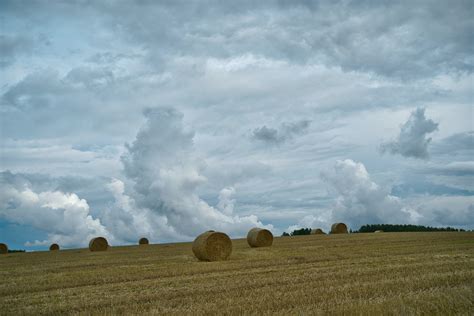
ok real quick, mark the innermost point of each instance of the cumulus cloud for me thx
(226, 203)
(64, 216)
(362, 201)
(128, 222)
(285, 132)
(445, 210)
(166, 174)
(161, 201)
(412, 140)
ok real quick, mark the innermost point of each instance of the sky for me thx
(163, 119)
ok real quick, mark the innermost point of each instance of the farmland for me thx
(390, 273)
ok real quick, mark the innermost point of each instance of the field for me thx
(387, 273)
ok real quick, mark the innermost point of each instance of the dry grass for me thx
(390, 273)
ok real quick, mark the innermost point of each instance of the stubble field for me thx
(387, 273)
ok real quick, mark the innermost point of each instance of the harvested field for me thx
(389, 273)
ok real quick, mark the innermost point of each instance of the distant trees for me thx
(370, 228)
(298, 232)
(302, 231)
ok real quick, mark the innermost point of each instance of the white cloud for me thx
(457, 211)
(54, 157)
(361, 201)
(128, 222)
(412, 140)
(64, 216)
(242, 62)
(166, 174)
(226, 203)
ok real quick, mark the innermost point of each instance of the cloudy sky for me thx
(167, 118)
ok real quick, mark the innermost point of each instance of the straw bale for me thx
(98, 244)
(212, 246)
(3, 248)
(339, 228)
(259, 237)
(54, 247)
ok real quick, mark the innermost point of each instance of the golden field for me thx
(387, 273)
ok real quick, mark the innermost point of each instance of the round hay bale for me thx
(317, 231)
(212, 246)
(3, 248)
(54, 247)
(259, 237)
(143, 241)
(339, 228)
(378, 231)
(98, 244)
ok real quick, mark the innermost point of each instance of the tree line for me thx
(370, 228)
(405, 228)
(297, 232)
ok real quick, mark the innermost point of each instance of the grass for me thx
(388, 273)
